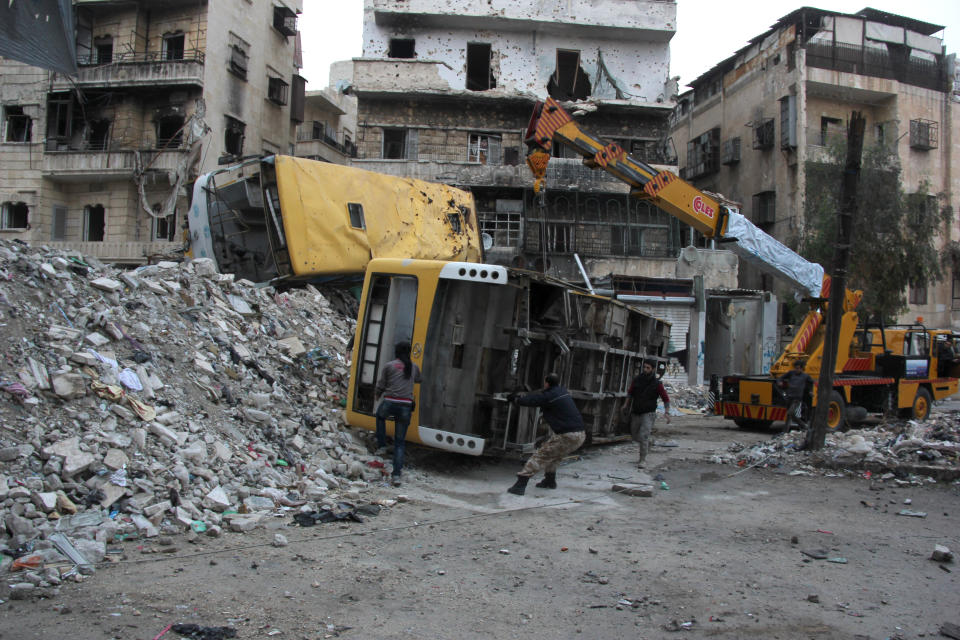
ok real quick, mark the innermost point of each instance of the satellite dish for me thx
(487, 241)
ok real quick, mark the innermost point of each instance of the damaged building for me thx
(166, 89)
(445, 92)
(754, 124)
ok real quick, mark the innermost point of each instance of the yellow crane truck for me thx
(877, 370)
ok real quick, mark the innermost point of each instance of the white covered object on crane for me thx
(771, 256)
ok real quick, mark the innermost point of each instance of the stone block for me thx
(217, 500)
(635, 490)
(115, 459)
(107, 284)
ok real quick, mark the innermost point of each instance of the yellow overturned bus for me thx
(288, 219)
(479, 332)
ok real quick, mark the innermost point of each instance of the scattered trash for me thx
(912, 514)
(816, 554)
(196, 632)
(941, 554)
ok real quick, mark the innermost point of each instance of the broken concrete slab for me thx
(635, 490)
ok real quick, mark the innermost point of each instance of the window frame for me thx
(167, 53)
(9, 119)
(479, 149)
(278, 90)
(8, 210)
(403, 143)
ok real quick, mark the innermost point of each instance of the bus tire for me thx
(747, 423)
(921, 405)
(836, 412)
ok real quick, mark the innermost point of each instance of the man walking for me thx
(568, 433)
(643, 394)
(796, 384)
(396, 388)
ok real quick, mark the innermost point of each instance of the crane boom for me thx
(703, 211)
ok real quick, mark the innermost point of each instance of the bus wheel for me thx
(921, 404)
(747, 423)
(836, 412)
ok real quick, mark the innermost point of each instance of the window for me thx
(731, 151)
(511, 156)
(788, 122)
(164, 228)
(830, 130)
(277, 91)
(568, 82)
(238, 61)
(94, 223)
(173, 46)
(483, 149)
(98, 134)
(763, 133)
(19, 125)
(103, 49)
(924, 134)
(765, 209)
(355, 210)
(285, 21)
(298, 98)
(58, 225)
(402, 48)
(169, 128)
(394, 144)
(918, 294)
(955, 288)
(703, 154)
(502, 226)
(479, 71)
(233, 136)
(14, 215)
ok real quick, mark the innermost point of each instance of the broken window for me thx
(169, 128)
(14, 215)
(765, 209)
(355, 211)
(277, 91)
(483, 148)
(238, 61)
(233, 136)
(569, 81)
(479, 69)
(165, 227)
(394, 144)
(103, 49)
(454, 219)
(763, 132)
(173, 46)
(830, 129)
(19, 125)
(402, 48)
(58, 225)
(94, 223)
(98, 134)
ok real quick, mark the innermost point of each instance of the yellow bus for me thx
(479, 332)
(286, 218)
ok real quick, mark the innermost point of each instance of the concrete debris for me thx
(903, 451)
(170, 398)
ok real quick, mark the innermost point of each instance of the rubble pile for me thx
(931, 447)
(692, 398)
(167, 399)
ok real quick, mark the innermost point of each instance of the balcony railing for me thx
(877, 63)
(65, 164)
(124, 252)
(137, 69)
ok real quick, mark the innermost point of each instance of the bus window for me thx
(390, 311)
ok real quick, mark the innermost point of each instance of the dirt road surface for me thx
(710, 557)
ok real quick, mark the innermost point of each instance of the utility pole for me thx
(817, 433)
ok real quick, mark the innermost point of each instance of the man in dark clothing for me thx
(568, 433)
(643, 393)
(795, 384)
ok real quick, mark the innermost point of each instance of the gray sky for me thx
(708, 31)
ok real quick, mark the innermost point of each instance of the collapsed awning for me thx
(40, 33)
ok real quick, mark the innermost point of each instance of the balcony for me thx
(123, 252)
(77, 166)
(655, 19)
(137, 70)
(372, 77)
(877, 63)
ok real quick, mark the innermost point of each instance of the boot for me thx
(549, 480)
(520, 486)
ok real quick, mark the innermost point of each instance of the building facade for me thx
(755, 122)
(446, 90)
(166, 90)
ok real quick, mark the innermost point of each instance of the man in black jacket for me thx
(568, 433)
(641, 401)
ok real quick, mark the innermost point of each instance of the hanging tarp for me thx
(40, 33)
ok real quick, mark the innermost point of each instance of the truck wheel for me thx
(747, 423)
(836, 412)
(921, 404)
